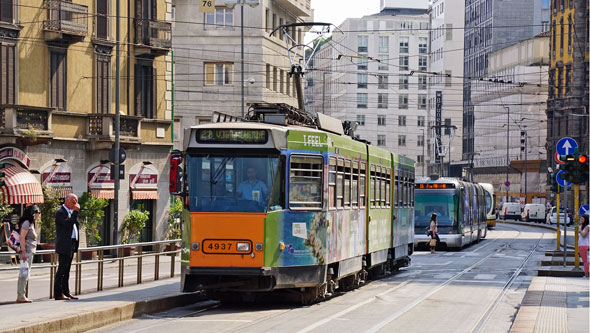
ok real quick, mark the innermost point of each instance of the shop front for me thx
(143, 186)
(19, 185)
(100, 185)
(58, 177)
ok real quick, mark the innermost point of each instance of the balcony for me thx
(297, 7)
(101, 130)
(152, 37)
(66, 21)
(28, 124)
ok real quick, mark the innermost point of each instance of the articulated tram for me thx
(490, 204)
(271, 205)
(460, 207)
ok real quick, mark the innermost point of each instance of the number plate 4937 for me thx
(221, 246)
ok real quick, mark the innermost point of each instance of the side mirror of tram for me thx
(176, 180)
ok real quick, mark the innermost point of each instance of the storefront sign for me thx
(144, 176)
(16, 154)
(100, 178)
(57, 175)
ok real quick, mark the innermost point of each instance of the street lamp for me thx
(231, 4)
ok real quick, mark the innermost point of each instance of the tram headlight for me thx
(243, 247)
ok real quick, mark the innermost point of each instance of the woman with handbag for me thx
(433, 233)
(28, 245)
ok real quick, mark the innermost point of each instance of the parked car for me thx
(510, 210)
(552, 216)
(533, 212)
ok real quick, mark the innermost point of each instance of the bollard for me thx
(78, 284)
(172, 246)
(52, 273)
(100, 270)
(139, 261)
(121, 265)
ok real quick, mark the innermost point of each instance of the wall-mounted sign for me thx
(12, 153)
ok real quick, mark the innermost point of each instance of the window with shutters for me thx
(7, 72)
(7, 11)
(220, 74)
(102, 22)
(145, 89)
(103, 83)
(58, 79)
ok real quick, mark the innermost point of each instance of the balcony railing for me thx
(32, 119)
(129, 126)
(157, 34)
(66, 17)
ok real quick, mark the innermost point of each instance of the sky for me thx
(336, 11)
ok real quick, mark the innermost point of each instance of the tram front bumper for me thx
(450, 240)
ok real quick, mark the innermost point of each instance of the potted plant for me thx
(91, 218)
(174, 223)
(49, 207)
(133, 223)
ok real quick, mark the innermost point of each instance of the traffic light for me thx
(554, 186)
(522, 140)
(570, 168)
(582, 167)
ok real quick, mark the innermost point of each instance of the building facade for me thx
(510, 121)
(567, 105)
(491, 25)
(57, 100)
(446, 67)
(371, 74)
(208, 58)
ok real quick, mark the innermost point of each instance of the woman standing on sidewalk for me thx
(28, 241)
(583, 243)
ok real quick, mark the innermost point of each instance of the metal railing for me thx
(77, 262)
(67, 17)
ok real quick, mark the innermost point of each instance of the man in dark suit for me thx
(66, 245)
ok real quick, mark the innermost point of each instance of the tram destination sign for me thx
(232, 136)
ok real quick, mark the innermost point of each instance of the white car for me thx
(552, 216)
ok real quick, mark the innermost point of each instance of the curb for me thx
(532, 225)
(95, 319)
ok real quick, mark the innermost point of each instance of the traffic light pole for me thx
(557, 230)
(564, 225)
(576, 207)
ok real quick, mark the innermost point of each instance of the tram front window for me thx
(444, 205)
(233, 183)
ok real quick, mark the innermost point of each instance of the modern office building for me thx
(57, 104)
(208, 58)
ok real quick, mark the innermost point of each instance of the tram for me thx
(460, 207)
(273, 203)
(490, 204)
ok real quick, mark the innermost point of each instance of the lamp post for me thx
(507, 149)
(231, 4)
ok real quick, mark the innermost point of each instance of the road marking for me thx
(485, 277)
(352, 308)
(218, 320)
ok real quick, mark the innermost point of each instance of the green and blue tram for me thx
(276, 206)
(460, 207)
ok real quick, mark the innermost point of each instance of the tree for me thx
(132, 225)
(51, 203)
(91, 216)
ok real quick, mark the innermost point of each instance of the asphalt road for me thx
(476, 289)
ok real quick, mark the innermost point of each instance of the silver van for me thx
(533, 212)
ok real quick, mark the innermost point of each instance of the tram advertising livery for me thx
(460, 207)
(278, 203)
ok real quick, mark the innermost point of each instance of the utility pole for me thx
(423, 158)
(324, 93)
(117, 121)
(242, 62)
(507, 150)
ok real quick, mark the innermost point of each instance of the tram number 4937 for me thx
(312, 140)
(219, 246)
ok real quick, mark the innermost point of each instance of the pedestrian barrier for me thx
(159, 249)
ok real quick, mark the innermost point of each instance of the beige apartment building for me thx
(57, 102)
(207, 58)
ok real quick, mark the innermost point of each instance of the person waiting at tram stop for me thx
(433, 232)
(252, 188)
(584, 242)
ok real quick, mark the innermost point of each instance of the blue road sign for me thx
(560, 180)
(566, 146)
(507, 183)
(584, 210)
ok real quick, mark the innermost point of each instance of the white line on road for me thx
(352, 308)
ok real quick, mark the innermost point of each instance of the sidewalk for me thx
(94, 310)
(554, 304)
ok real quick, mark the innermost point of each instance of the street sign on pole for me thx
(566, 146)
(507, 184)
(559, 178)
(557, 160)
(584, 210)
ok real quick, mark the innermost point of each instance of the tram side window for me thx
(373, 185)
(404, 190)
(355, 184)
(382, 186)
(347, 179)
(387, 187)
(396, 193)
(277, 196)
(340, 183)
(305, 182)
(363, 185)
(332, 183)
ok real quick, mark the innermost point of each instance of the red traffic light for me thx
(583, 159)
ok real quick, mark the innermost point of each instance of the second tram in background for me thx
(459, 205)
(490, 203)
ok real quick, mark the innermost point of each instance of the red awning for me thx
(103, 194)
(144, 195)
(21, 187)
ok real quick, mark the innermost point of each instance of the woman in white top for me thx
(433, 231)
(583, 243)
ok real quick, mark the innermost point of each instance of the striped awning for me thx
(62, 191)
(144, 194)
(103, 194)
(20, 187)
